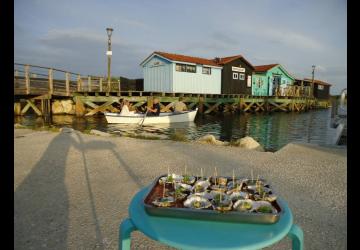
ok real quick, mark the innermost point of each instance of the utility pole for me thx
(312, 81)
(109, 54)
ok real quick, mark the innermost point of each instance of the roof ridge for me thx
(182, 55)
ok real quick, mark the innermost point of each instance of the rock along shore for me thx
(72, 190)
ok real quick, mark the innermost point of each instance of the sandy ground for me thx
(72, 190)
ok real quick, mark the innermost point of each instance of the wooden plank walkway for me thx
(37, 87)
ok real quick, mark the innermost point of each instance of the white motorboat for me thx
(339, 118)
(164, 117)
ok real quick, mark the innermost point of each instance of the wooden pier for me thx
(38, 88)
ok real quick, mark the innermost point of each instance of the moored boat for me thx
(164, 117)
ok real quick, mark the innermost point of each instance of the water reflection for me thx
(272, 130)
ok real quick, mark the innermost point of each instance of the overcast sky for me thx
(71, 35)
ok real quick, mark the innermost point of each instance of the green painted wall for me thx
(262, 83)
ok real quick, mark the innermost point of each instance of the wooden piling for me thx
(241, 104)
(17, 108)
(201, 104)
(79, 107)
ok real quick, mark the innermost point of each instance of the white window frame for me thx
(209, 72)
(186, 66)
(249, 81)
(235, 76)
(320, 87)
(243, 76)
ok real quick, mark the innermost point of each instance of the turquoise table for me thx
(197, 234)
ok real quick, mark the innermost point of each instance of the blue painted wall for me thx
(185, 82)
(160, 75)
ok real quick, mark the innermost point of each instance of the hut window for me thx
(206, 70)
(235, 75)
(185, 68)
(181, 67)
(320, 87)
(191, 68)
(241, 76)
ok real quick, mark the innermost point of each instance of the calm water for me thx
(273, 131)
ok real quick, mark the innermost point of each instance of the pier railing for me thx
(38, 80)
(294, 91)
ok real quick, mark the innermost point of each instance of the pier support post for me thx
(241, 104)
(266, 104)
(79, 107)
(17, 108)
(201, 104)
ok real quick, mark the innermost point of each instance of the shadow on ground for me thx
(41, 202)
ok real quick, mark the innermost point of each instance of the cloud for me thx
(288, 38)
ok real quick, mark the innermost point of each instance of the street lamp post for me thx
(312, 81)
(109, 54)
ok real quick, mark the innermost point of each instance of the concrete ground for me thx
(72, 190)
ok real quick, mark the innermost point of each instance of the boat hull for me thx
(162, 118)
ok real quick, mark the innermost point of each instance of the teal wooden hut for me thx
(266, 78)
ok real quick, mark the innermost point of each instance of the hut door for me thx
(276, 83)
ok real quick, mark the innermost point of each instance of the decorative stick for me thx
(168, 171)
(185, 169)
(201, 173)
(252, 175)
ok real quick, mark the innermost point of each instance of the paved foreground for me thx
(72, 190)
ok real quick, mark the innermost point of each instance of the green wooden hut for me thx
(266, 78)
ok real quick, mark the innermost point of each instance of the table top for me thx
(201, 234)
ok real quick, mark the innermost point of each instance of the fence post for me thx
(51, 83)
(100, 83)
(27, 79)
(67, 83)
(78, 83)
(108, 88)
(89, 83)
(119, 88)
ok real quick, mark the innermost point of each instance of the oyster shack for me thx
(269, 78)
(321, 89)
(236, 75)
(166, 72)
